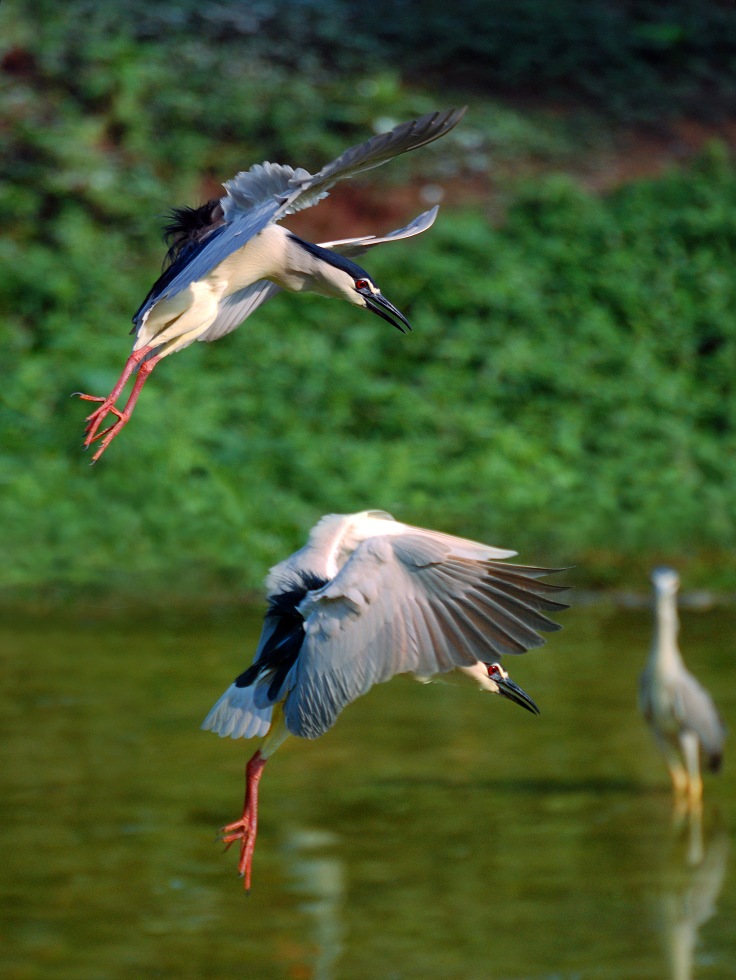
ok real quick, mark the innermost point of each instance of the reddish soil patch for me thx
(639, 154)
(355, 209)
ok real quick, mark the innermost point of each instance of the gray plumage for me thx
(678, 709)
(368, 597)
(392, 599)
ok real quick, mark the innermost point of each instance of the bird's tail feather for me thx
(236, 715)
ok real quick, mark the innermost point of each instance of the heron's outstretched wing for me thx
(350, 247)
(374, 152)
(406, 603)
(326, 536)
(269, 191)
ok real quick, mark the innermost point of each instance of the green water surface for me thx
(434, 832)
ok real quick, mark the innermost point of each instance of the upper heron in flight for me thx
(366, 598)
(678, 709)
(231, 255)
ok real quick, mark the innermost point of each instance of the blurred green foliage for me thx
(568, 389)
(633, 59)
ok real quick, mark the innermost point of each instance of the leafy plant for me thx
(568, 389)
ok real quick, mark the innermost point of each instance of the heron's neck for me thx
(665, 650)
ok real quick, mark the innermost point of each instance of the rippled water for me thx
(434, 832)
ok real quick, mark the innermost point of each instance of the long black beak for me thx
(513, 692)
(377, 303)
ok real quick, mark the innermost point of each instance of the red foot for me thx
(107, 435)
(107, 406)
(246, 829)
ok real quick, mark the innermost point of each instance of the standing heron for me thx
(367, 598)
(230, 255)
(680, 712)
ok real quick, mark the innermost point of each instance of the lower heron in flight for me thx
(230, 255)
(367, 598)
(680, 712)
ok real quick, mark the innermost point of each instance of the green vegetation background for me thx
(568, 389)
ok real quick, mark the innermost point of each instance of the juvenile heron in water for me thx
(231, 255)
(367, 598)
(680, 712)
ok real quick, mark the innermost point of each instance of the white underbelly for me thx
(176, 321)
(190, 312)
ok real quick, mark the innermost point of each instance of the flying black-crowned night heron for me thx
(231, 255)
(680, 712)
(367, 598)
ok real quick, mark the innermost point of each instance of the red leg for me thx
(108, 406)
(246, 828)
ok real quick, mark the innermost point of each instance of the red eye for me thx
(494, 670)
(362, 284)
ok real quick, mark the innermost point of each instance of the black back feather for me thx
(188, 226)
(188, 231)
(283, 645)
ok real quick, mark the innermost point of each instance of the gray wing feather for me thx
(374, 152)
(463, 547)
(695, 710)
(405, 604)
(350, 247)
(238, 307)
(262, 184)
